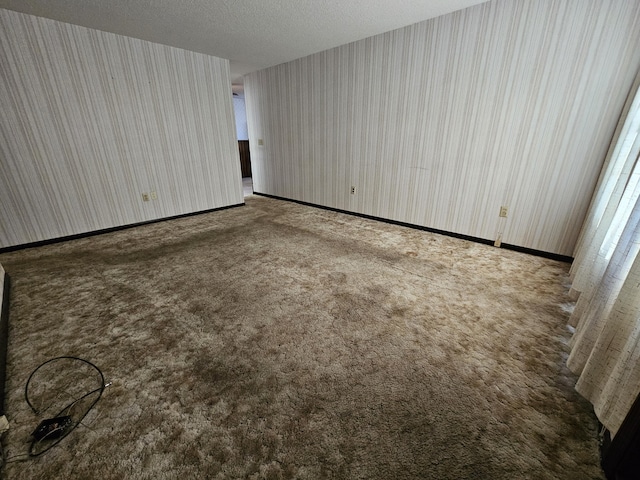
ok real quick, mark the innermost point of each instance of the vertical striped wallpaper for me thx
(509, 103)
(90, 120)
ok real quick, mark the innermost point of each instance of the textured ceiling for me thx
(252, 34)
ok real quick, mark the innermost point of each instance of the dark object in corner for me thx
(4, 337)
(52, 428)
(620, 456)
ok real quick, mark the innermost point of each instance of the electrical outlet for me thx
(503, 211)
(145, 197)
(153, 195)
(353, 190)
(260, 141)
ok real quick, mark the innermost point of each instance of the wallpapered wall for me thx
(509, 103)
(90, 120)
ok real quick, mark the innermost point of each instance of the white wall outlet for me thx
(503, 211)
(153, 195)
(353, 190)
(145, 197)
(260, 141)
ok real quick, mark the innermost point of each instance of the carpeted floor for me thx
(276, 340)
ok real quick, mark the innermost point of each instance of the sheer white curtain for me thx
(606, 276)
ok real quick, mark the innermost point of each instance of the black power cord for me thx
(56, 428)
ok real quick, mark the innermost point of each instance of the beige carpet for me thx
(276, 340)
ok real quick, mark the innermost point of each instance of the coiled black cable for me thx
(62, 432)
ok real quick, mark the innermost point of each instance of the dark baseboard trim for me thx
(4, 338)
(530, 251)
(111, 229)
(538, 253)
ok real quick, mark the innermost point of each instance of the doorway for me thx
(243, 138)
